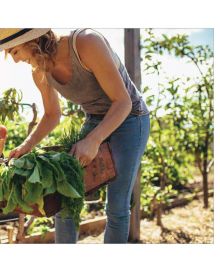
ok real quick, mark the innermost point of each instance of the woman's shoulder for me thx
(89, 40)
(87, 33)
(90, 44)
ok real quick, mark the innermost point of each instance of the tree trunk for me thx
(159, 211)
(205, 172)
(159, 215)
(205, 185)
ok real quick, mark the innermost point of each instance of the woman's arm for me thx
(49, 120)
(52, 111)
(97, 57)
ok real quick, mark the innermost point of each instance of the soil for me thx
(189, 224)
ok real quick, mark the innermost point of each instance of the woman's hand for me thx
(85, 150)
(24, 148)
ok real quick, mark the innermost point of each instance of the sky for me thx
(18, 75)
(203, 36)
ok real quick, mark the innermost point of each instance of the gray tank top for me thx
(84, 89)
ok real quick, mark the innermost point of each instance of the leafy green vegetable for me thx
(18, 197)
(19, 163)
(11, 203)
(34, 192)
(33, 176)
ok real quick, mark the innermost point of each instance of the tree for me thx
(189, 101)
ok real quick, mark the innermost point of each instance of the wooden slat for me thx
(95, 225)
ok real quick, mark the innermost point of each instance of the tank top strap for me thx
(72, 43)
(73, 47)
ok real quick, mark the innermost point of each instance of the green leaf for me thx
(35, 176)
(28, 164)
(1, 192)
(55, 167)
(11, 203)
(33, 192)
(56, 157)
(47, 178)
(66, 189)
(19, 163)
(60, 176)
(51, 189)
(22, 172)
(40, 203)
(22, 204)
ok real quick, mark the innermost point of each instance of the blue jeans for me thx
(128, 144)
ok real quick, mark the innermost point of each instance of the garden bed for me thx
(189, 224)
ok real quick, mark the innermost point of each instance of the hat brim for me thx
(28, 36)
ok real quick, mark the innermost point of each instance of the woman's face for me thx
(22, 53)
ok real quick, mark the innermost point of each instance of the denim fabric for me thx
(65, 231)
(127, 143)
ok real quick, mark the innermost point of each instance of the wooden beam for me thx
(133, 65)
(96, 225)
(132, 55)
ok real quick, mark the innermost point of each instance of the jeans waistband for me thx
(101, 116)
(96, 116)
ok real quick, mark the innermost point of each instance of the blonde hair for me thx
(43, 49)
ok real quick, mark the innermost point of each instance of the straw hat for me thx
(11, 37)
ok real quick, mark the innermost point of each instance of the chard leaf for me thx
(56, 156)
(47, 179)
(55, 167)
(1, 193)
(19, 163)
(33, 192)
(11, 203)
(66, 189)
(51, 189)
(40, 203)
(59, 174)
(22, 172)
(28, 164)
(46, 175)
(35, 176)
(18, 197)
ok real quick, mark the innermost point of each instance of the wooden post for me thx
(133, 65)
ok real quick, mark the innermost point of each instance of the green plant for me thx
(40, 226)
(182, 115)
(9, 104)
(36, 175)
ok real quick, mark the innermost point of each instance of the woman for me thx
(83, 68)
